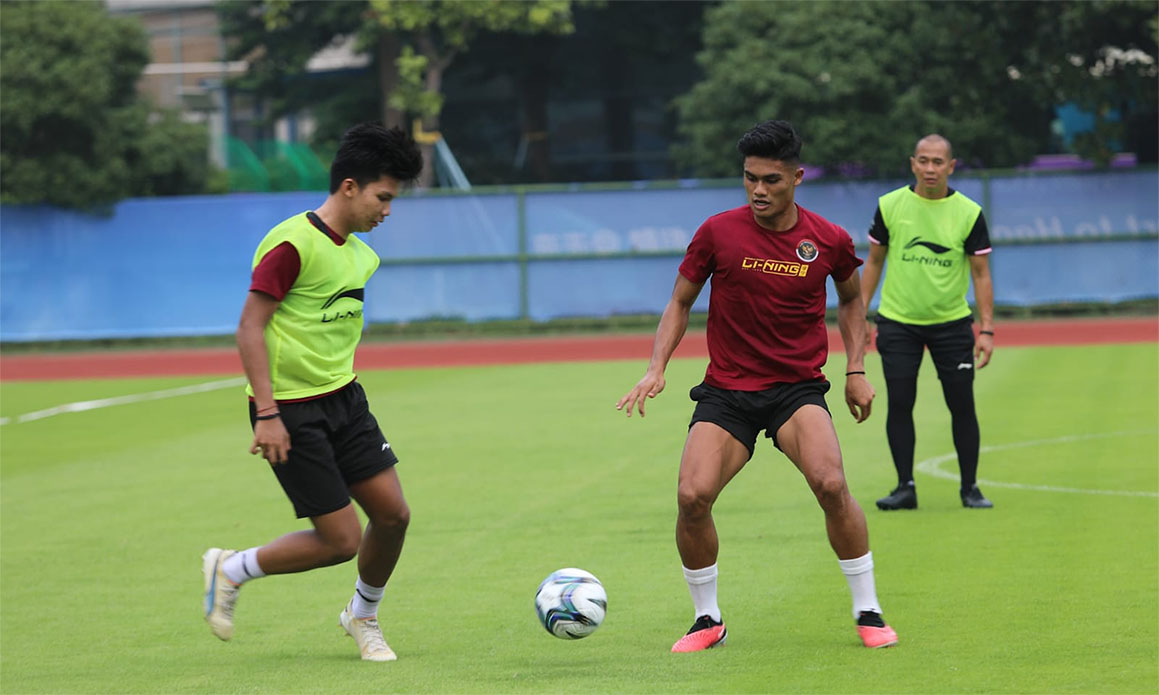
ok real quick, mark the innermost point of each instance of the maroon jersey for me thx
(766, 311)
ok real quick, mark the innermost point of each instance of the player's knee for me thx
(693, 502)
(831, 492)
(396, 519)
(341, 545)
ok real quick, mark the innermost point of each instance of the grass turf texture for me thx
(513, 472)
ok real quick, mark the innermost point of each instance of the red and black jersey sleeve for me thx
(276, 273)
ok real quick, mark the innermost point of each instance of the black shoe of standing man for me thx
(903, 497)
(972, 498)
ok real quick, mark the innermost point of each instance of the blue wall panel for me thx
(622, 221)
(1110, 271)
(433, 226)
(181, 266)
(476, 292)
(601, 287)
(1058, 207)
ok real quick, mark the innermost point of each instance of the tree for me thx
(864, 80)
(73, 132)
(1103, 57)
(861, 81)
(411, 44)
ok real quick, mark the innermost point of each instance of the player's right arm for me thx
(270, 436)
(673, 323)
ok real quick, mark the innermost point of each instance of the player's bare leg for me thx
(387, 519)
(712, 457)
(810, 442)
(333, 540)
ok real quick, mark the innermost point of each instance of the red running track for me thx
(402, 354)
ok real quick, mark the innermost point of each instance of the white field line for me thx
(81, 406)
(930, 465)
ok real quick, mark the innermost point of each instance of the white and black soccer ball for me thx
(571, 603)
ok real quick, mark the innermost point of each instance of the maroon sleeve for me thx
(699, 259)
(277, 271)
(846, 258)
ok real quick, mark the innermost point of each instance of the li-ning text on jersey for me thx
(338, 313)
(775, 267)
(766, 314)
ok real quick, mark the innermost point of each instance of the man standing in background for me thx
(935, 240)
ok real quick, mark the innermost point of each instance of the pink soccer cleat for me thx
(874, 632)
(706, 633)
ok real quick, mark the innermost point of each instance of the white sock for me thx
(859, 574)
(242, 567)
(702, 586)
(366, 598)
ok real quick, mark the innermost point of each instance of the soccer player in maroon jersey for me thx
(767, 342)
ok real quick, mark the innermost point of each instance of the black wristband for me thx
(989, 333)
(852, 373)
(271, 416)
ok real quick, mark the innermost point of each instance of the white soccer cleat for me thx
(368, 635)
(220, 592)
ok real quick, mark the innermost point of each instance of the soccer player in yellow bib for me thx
(935, 241)
(299, 327)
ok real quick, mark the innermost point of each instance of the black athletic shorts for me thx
(334, 442)
(743, 414)
(951, 346)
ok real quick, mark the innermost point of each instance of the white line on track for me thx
(81, 406)
(930, 465)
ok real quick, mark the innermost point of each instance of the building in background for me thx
(189, 71)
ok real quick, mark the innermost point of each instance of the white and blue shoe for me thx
(220, 592)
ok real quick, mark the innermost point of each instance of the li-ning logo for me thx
(936, 248)
(357, 294)
(927, 260)
(806, 251)
(774, 267)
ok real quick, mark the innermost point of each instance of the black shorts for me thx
(951, 346)
(743, 414)
(334, 443)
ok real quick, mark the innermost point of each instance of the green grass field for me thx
(513, 472)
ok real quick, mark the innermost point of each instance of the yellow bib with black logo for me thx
(927, 272)
(313, 333)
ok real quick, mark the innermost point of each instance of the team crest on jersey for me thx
(806, 250)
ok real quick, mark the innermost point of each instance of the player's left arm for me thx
(859, 392)
(984, 299)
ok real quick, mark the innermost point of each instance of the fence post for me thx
(521, 214)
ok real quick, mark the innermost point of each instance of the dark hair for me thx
(775, 140)
(369, 150)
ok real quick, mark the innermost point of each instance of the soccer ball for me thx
(571, 603)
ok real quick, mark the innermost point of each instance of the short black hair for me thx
(369, 151)
(776, 140)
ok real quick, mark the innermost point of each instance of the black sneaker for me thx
(902, 497)
(973, 499)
